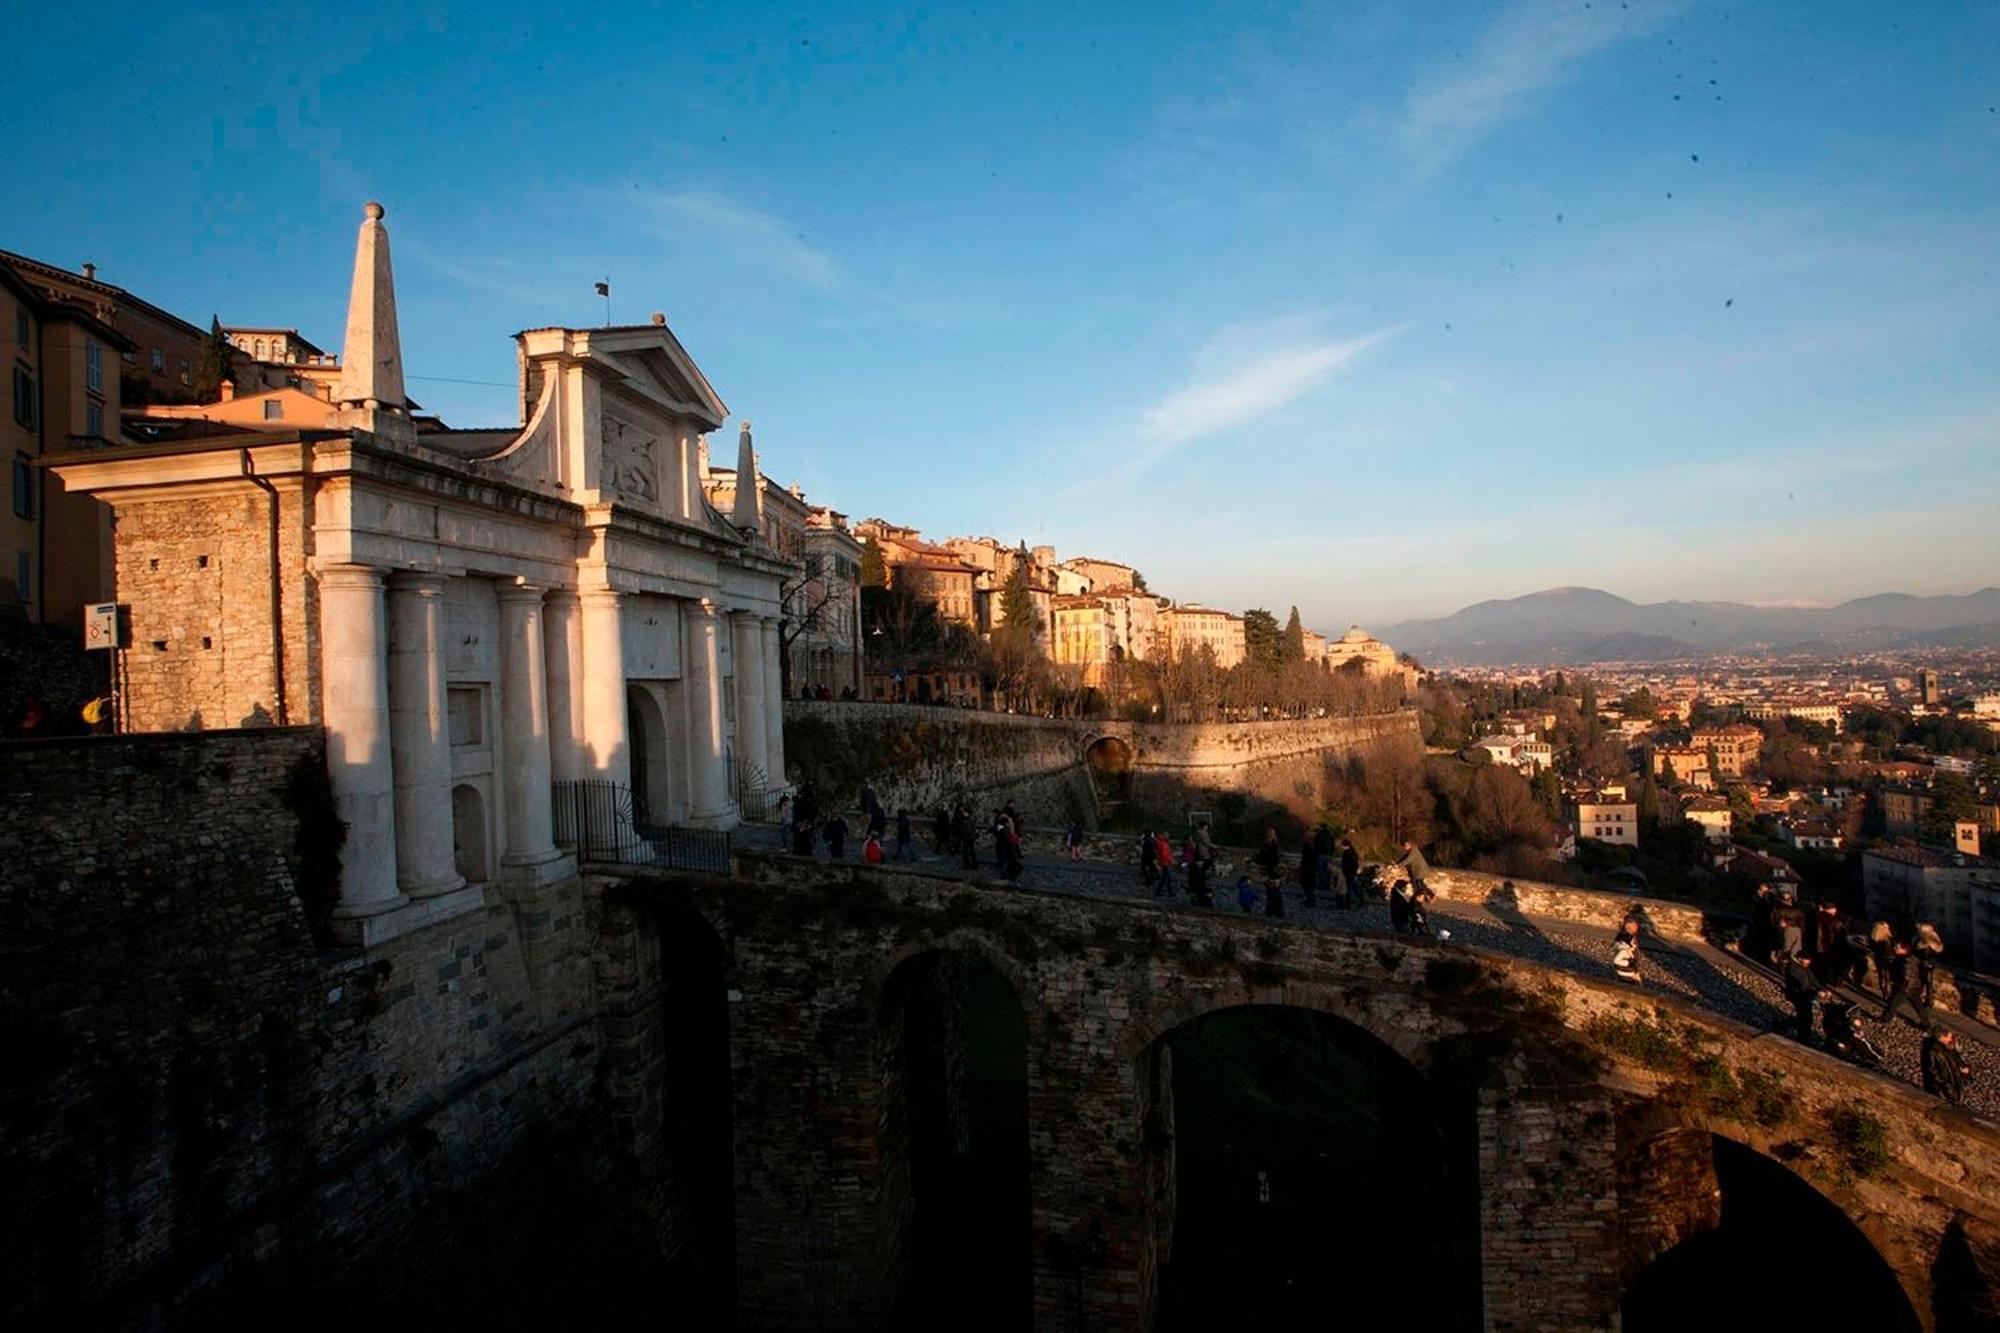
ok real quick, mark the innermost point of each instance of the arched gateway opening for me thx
(955, 1143)
(1306, 1175)
(1783, 1256)
(1109, 759)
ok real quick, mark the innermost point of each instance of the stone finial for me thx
(748, 511)
(370, 392)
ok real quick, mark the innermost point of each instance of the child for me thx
(871, 849)
(1246, 894)
(1074, 840)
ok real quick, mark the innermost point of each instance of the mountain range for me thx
(1590, 625)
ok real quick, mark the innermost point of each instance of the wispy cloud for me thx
(1527, 49)
(1245, 373)
(749, 234)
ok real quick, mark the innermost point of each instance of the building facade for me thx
(1733, 748)
(1188, 628)
(1614, 822)
(472, 616)
(1957, 893)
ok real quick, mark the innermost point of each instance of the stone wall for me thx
(917, 757)
(207, 1116)
(1566, 1081)
(197, 575)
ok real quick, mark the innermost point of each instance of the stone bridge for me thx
(1566, 1133)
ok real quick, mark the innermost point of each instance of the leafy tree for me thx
(1138, 582)
(1292, 648)
(1641, 705)
(1548, 791)
(1951, 801)
(1260, 635)
(211, 363)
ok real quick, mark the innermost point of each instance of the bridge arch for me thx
(1772, 1248)
(1110, 759)
(1286, 1136)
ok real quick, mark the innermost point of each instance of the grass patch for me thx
(1653, 1044)
(1861, 1140)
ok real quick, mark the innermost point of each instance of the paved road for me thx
(1713, 979)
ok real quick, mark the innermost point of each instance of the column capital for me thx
(601, 596)
(567, 596)
(520, 592)
(420, 581)
(703, 607)
(351, 576)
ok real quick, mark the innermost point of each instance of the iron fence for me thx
(605, 824)
(752, 788)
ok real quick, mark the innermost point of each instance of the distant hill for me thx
(1590, 625)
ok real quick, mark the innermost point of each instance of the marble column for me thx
(708, 782)
(607, 749)
(524, 728)
(562, 647)
(354, 655)
(747, 648)
(774, 705)
(419, 741)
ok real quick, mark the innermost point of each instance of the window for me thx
(186, 376)
(24, 487)
(159, 360)
(93, 367)
(24, 398)
(93, 420)
(274, 410)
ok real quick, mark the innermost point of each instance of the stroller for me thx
(1845, 1036)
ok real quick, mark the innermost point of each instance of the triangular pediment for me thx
(656, 365)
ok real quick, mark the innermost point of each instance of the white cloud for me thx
(750, 234)
(1238, 380)
(1528, 48)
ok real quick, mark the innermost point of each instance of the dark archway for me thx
(1110, 760)
(1306, 1175)
(1783, 1256)
(955, 1143)
(697, 1116)
(646, 732)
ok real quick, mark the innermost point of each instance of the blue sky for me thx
(1378, 309)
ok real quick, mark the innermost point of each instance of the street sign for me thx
(103, 625)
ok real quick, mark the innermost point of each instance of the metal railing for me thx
(605, 824)
(752, 788)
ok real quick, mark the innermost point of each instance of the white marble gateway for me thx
(472, 615)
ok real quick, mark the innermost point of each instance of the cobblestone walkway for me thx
(1713, 979)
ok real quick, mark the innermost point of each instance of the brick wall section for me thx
(197, 575)
(206, 1115)
(1667, 1191)
(1101, 981)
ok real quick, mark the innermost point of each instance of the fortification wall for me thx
(207, 1114)
(920, 756)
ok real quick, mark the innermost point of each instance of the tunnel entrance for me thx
(955, 1141)
(1109, 759)
(1318, 1180)
(1783, 1256)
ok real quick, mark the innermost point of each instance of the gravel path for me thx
(1712, 979)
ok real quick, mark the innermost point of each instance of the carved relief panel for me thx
(631, 460)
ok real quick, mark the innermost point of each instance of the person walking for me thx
(1927, 948)
(1163, 852)
(1149, 859)
(1625, 951)
(1901, 975)
(1882, 948)
(1824, 942)
(1413, 864)
(1073, 840)
(1270, 859)
(906, 837)
(1945, 1069)
(1803, 990)
(1197, 872)
(1791, 925)
(1246, 894)
(836, 837)
(1350, 874)
(871, 849)
(1205, 848)
(961, 831)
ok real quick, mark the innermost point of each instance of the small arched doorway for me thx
(1307, 1175)
(469, 845)
(955, 1139)
(1783, 1255)
(646, 735)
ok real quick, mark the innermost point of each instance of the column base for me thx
(535, 870)
(724, 819)
(369, 931)
(433, 888)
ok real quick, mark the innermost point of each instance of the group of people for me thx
(953, 831)
(1817, 953)
(1326, 867)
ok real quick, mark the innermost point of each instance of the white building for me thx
(472, 616)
